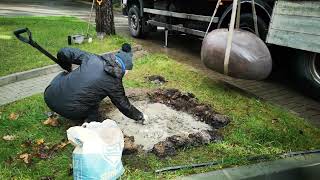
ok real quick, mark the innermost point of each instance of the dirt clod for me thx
(156, 79)
(164, 148)
(179, 141)
(203, 137)
(129, 146)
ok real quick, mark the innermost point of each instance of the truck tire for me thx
(135, 22)
(306, 68)
(246, 23)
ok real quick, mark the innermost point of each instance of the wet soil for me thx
(176, 132)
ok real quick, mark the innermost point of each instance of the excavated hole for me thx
(175, 120)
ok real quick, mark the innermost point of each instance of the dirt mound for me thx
(171, 144)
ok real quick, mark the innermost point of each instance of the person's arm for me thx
(72, 56)
(120, 100)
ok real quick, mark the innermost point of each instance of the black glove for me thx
(66, 66)
(143, 119)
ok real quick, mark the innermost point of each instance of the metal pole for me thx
(213, 15)
(238, 15)
(166, 32)
(255, 18)
(230, 37)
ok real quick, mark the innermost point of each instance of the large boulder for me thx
(249, 58)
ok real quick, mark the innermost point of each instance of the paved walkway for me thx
(21, 89)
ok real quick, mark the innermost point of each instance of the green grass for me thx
(51, 33)
(257, 128)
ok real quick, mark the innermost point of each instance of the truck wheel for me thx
(246, 23)
(135, 22)
(307, 70)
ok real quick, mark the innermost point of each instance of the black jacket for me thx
(73, 94)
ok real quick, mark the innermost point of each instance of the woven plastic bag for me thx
(98, 150)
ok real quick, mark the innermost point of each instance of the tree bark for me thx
(105, 18)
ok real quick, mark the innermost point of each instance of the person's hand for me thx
(143, 120)
(67, 67)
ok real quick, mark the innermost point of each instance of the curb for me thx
(20, 76)
(288, 167)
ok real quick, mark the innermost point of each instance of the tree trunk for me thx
(104, 18)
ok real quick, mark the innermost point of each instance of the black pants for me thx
(94, 115)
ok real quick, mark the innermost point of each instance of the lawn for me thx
(256, 129)
(49, 32)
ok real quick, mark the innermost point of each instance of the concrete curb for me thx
(287, 167)
(43, 71)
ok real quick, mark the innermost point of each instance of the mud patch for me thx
(156, 79)
(175, 120)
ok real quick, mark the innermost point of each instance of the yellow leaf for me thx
(51, 121)
(9, 137)
(25, 157)
(40, 141)
(13, 116)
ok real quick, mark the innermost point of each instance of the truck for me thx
(293, 24)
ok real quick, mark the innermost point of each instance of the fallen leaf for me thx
(26, 158)
(43, 153)
(274, 121)
(51, 121)
(27, 143)
(63, 144)
(9, 137)
(13, 116)
(40, 141)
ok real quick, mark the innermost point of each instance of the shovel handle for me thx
(18, 33)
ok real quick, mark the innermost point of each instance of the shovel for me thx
(18, 33)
